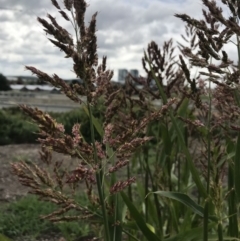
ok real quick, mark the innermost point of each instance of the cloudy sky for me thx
(125, 27)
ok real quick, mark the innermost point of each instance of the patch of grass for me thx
(23, 158)
(21, 218)
(18, 128)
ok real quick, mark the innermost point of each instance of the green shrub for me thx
(21, 218)
(4, 84)
(18, 128)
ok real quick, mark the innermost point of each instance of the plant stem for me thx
(99, 177)
(206, 212)
(130, 235)
(145, 154)
(194, 172)
(220, 231)
(129, 187)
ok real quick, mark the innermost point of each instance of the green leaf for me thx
(232, 201)
(225, 238)
(96, 123)
(4, 238)
(192, 234)
(167, 144)
(142, 225)
(130, 225)
(194, 172)
(117, 229)
(183, 198)
(237, 170)
(183, 107)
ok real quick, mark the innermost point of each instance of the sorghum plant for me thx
(205, 148)
(97, 162)
(180, 132)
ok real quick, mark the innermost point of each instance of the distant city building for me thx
(134, 73)
(122, 74)
(31, 80)
(22, 79)
(34, 88)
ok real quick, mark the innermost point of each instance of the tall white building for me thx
(122, 74)
(134, 73)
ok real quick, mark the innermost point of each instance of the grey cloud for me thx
(137, 22)
(25, 5)
(4, 36)
(5, 16)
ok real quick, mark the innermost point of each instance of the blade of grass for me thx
(99, 178)
(237, 169)
(232, 204)
(117, 230)
(183, 198)
(194, 172)
(95, 121)
(4, 238)
(205, 220)
(192, 234)
(142, 225)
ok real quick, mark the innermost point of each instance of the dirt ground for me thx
(10, 188)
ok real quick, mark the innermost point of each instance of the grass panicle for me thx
(166, 163)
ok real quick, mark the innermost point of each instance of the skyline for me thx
(124, 30)
(121, 76)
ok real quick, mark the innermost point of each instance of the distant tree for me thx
(19, 81)
(4, 84)
(40, 82)
(76, 81)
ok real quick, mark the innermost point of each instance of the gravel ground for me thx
(10, 188)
